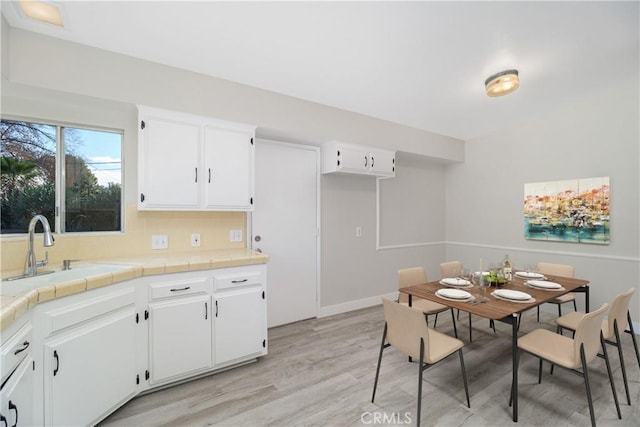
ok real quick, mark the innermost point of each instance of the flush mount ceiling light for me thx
(502, 83)
(42, 11)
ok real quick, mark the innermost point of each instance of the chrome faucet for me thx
(31, 268)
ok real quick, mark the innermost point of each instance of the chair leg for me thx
(492, 325)
(458, 314)
(613, 386)
(453, 318)
(633, 337)
(585, 372)
(621, 357)
(464, 377)
(575, 307)
(540, 371)
(559, 310)
(538, 313)
(470, 331)
(519, 320)
(435, 322)
(375, 383)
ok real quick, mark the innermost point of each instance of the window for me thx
(71, 175)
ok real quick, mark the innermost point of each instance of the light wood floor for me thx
(320, 372)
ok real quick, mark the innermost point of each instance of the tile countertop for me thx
(12, 306)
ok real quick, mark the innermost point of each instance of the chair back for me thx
(563, 270)
(618, 312)
(408, 277)
(588, 333)
(405, 327)
(450, 269)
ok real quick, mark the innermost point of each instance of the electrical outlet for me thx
(358, 231)
(195, 240)
(159, 241)
(235, 235)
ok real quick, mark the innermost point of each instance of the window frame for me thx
(60, 190)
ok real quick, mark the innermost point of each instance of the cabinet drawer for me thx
(180, 287)
(236, 279)
(15, 349)
(69, 315)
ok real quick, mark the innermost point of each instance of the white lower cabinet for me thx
(81, 357)
(16, 396)
(240, 320)
(18, 373)
(239, 324)
(90, 363)
(179, 337)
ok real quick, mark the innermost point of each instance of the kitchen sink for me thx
(17, 284)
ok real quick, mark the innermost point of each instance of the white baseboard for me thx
(354, 305)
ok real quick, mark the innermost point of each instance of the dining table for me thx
(501, 309)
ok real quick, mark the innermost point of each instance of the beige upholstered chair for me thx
(454, 269)
(406, 330)
(563, 270)
(611, 328)
(571, 353)
(416, 276)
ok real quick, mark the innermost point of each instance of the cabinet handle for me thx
(55, 356)
(206, 311)
(209, 175)
(372, 160)
(366, 161)
(239, 281)
(3, 420)
(15, 408)
(20, 350)
(216, 308)
(181, 289)
(196, 174)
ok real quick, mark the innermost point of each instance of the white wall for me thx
(596, 136)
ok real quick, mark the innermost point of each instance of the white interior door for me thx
(285, 226)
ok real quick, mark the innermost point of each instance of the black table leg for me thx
(514, 361)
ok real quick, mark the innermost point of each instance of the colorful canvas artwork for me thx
(568, 211)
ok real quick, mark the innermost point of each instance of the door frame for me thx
(249, 230)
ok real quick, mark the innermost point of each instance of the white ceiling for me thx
(421, 64)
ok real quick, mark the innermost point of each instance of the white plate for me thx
(453, 281)
(544, 284)
(453, 294)
(529, 275)
(514, 295)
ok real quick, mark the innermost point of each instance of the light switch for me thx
(159, 241)
(358, 231)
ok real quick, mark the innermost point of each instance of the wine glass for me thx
(477, 279)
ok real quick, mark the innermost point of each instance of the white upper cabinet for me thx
(339, 157)
(190, 163)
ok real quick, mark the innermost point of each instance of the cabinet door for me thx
(168, 162)
(228, 174)
(90, 370)
(382, 163)
(16, 396)
(240, 324)
(352, 159)
(179, 337)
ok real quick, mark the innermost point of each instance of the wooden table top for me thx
(496, 308)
